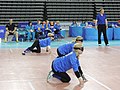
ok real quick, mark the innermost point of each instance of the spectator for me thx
(11, 29)
(38, 31)
(52, 27)
(47, 28)
(74, 23)
(91, 24)
(118, 24)
(58, 29)
(30, 31)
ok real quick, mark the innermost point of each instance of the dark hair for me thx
(29, 22)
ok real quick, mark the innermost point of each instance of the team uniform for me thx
(65, 49)
(38, 44)
(61, 65)
(65, 63)
(102, 28)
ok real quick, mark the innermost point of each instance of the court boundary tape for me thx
(31, 86)
(10, 50)
(98, 82)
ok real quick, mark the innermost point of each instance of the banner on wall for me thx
(2, 31)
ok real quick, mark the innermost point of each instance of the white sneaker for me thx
(49, 75)
(23, 53)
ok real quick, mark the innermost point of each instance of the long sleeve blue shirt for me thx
(66, 48)
(45, 42)
(63, 64)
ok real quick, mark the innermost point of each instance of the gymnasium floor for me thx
(101, 66)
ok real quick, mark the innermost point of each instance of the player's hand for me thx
(81, 82)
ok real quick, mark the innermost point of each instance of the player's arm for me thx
(48, 49)
(79, 76)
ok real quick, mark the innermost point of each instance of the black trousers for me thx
(102, 29)
(63, 76)
(37, 45)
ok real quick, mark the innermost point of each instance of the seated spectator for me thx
(38, 31)
(30, 31)
(52, 27)
(83, 23)
(11, 29)
(91, 24)
(74, 23)
(47, 28)
(118, 24)
(57, 32)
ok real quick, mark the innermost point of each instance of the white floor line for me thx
(14, 81)
(11, 50)
(95, 80)
(30, 84)
(98, 82)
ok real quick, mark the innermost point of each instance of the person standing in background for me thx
(101, 24)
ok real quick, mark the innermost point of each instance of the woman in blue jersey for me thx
(40, 43)
(102, 25)
(70, 61)
(67, 48)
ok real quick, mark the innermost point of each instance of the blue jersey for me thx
(38, 26)
(101, 19)
(57, 26)
(45, 42)
(65, 63)
(66, 48)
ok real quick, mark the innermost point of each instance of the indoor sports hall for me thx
(99, 60)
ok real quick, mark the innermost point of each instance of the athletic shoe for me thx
(49, 75)
(26, 51)
(99, 44)
(23, 53)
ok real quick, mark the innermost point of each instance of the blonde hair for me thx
(77, 45)
(50, 34)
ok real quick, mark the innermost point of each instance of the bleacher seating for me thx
(21, 10)
(62, 10)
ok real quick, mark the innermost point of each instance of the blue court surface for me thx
(56, 43)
